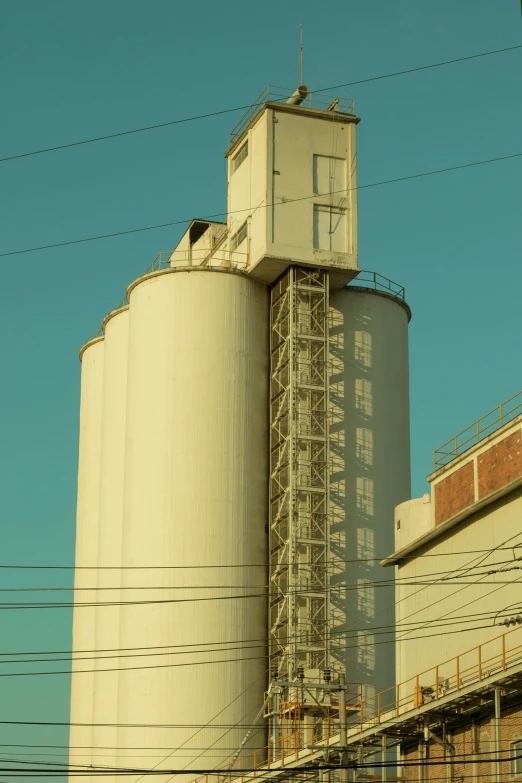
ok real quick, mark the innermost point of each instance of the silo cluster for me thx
(171, 520)
(244, 439)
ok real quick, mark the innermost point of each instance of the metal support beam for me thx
(276, 702)
(498, 737)
(343, 728)
(384, 757)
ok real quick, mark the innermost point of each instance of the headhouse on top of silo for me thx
(292, 190)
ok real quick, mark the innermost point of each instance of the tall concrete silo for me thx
(195, 498)
(107, 627)
(370, 471)
(87, 525)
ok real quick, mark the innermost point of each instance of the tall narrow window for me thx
(242, 155)
(516, 754)
(329, 175)
(329, 228)
(239, 237)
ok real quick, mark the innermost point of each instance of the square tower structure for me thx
(292, 191)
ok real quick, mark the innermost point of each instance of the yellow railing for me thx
(479, 430)
(448, 677)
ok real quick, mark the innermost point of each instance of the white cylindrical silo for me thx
(105, 707)
(87, 518)
(370, 474)
(196, 477)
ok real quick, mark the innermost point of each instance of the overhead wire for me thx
(314, 768)
(262, 206)
(208, 115)
(187, 649)
(240, 565)
(356, 646)
(422, 589)
(332, 566)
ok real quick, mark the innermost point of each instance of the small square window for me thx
(242, 155)
(239, 237)
(516, 753)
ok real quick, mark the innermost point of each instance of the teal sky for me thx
(73, 70)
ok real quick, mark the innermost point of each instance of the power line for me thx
(187, 647)
(312, 768)
(357, 646)
(21, 606)
(252, 644)
(265, 206)
(503, 545)
(249, 565)
(333, 565)
(208, 115)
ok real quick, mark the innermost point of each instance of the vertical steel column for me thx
(299, 529)
(498, 737)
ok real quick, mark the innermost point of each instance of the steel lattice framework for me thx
(299, 525)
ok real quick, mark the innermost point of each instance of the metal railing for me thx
(479, 430)
(449, 677)
(204, 257)
(201, 257)
(379, 283)
(274, 94)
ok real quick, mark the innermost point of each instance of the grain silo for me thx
(195, 495)
(370, 470)
(266, 444)
(107, 616)
(87, 522)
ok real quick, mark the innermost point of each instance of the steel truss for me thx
(299, 529)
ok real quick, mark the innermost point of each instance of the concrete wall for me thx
(87, 525)
(457, 564)
(195, 498)
(107, 626)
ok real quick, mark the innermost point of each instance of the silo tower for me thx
(263, 428)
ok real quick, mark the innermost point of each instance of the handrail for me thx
(480, 429)
(275, 94)
(379, 283)
(449, 677)
(202, 257)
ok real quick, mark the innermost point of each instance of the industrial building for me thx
(244, 456)
(244, 441)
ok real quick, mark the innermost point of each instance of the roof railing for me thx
(273, 93)
(379, 283)
(477, 431)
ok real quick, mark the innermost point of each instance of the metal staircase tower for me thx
(299, 525)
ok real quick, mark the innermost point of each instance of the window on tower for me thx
(241, 156)
(329, 228)
(239, 237)
(329, 175)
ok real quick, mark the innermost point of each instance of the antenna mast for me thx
(300, 53)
